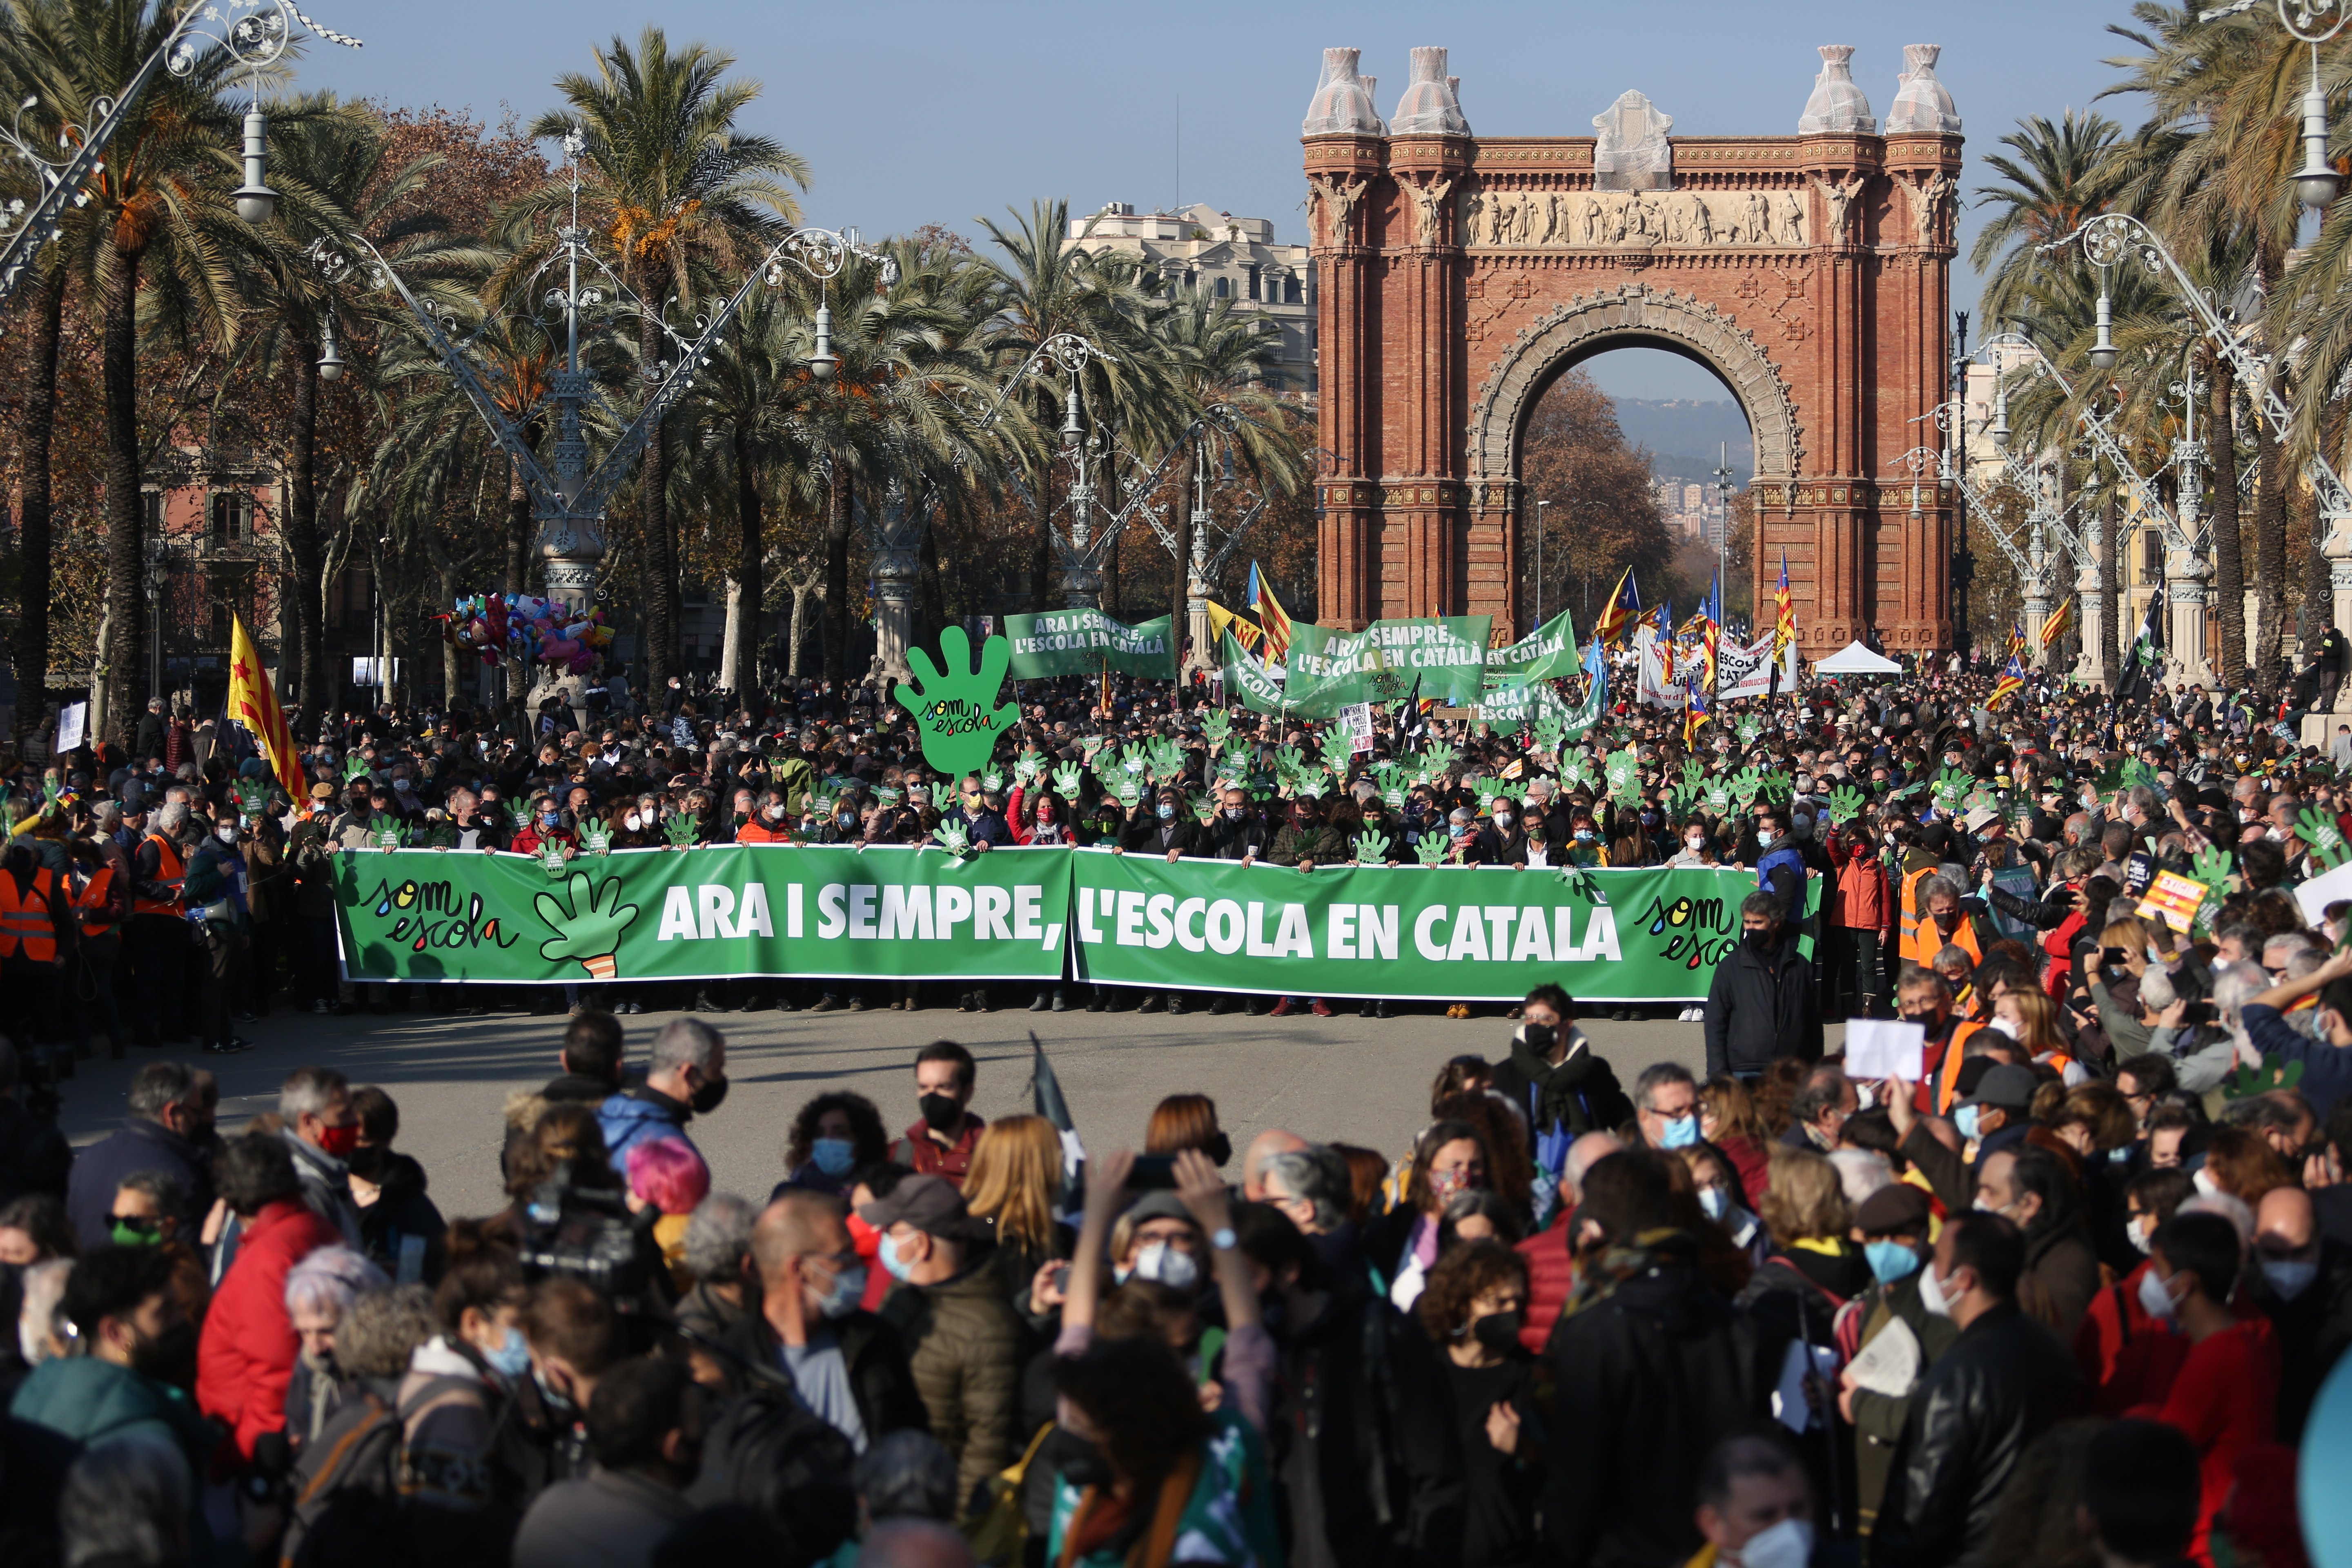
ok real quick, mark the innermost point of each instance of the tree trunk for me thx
(661, 599)
(837, 522)
(2269, 558)
(2117, 633)
(31, 640)
(517, 568)
(310, 650)
(751, 566)
(122, 659)
(2222, 507)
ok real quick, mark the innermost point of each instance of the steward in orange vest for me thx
(36, 926)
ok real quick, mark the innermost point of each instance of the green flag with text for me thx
(1081, 642)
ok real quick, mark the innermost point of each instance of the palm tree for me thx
(2055, 177)
(160, 199)
(745, 401)
(673, 184)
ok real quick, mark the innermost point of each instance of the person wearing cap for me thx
(963, 1342)
(1990, 1118)
(1897, 1227)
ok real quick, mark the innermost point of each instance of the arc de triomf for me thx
(1459, 275)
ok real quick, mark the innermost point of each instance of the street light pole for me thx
(1539, 577)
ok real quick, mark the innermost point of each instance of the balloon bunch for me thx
(545, 631)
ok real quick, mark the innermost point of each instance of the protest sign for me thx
(1083, 642)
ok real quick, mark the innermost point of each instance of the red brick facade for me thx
(1459, 275)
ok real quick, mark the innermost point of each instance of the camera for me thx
(588, 1234)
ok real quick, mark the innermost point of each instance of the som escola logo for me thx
(957, 716)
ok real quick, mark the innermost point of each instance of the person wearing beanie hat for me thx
(1874, 1391)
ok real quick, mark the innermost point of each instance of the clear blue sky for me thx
(918, 111)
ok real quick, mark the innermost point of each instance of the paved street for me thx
(1356, 1080)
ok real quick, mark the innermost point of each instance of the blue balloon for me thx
(2326, 1458)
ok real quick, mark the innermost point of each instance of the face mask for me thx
(941, 1112)
(1788, 1544)
(708, 1094)
(1932, 1295)
(369, 1163)
(848, 1291)
(1503, 820)
(1891, 1260)
(1969, 1121)
(1167, 811)
(1679, 1132)
(898, 1268)
(2155, 1297)
(2203, 1182)
(833, 1156)
(1764, 836)
(1044, 814)
(1162, 1264)
(1444, 1184)
(127, 1232)
(1715, 1201)
(1584, 835)
(1497, 1330)
(847, 819)
(775, 814)
(1234, 813)
(548, 818)
(512, 1357)
(633, 821)
(226, 834)
(1220, 1150)
(340, 1140)
(1694, 844)
(2290, 1277)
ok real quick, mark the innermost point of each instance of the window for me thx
(2152, 557)
(1224, 288)
(1254, 291)
(232, 517)
(150, 511)
(232, 588)
(1291, 291)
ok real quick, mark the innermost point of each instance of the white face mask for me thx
(2290, 1277)
(2155, 1297)
(1932, 1294)
(1788, 1544)
(1694, 844)
(2138, 1229)
(2203, 1181)
(633, 820)
(1157, 1260)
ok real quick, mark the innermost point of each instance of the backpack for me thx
(765, 1448)
(344, 1508)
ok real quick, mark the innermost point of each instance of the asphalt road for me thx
(1343, 1078)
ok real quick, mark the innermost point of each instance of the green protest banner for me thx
(1245, 679)
(896, 913)
(1512, 707)
(1081, 642)
(1449, 934)
(1330, 670)
(1547, 653)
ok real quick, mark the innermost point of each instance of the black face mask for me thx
(708, 1094)
(169, 1357)
(1497, 1330)
(1220, 1150)
(369, 1163)
(1087, 1468)
(941, 1112)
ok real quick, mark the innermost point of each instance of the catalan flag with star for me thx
(1784, 611)
(1695, 712)
(2011, 682)
(1624, 607)
(2016, 639)
(1270, 617)
(252, 702)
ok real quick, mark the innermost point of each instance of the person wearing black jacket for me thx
(1238, 831)
(168, 1129)
(1565, 1088)
(1501, 841)
(1763, 1003)
(2004, 1381)
(1165, 829)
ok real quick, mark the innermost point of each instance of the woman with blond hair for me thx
(1805, 1212)
(2031, 1018)
(1012, 1188)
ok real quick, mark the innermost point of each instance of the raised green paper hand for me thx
(1130, 790)
(1750, 727)
(1202, 806)
(1338, 750)
(1433, 846)
(1216, 728)
(596, 835)
(1065, 781)
(391, 836)
(2270, 1075)
(956, 711)
(680, 828)
(1289, 762)
(1166, 760)
(1845, 805)
(953, 838)
(1952, 787)
(1441, 760)
(1027, 766)
(993, 781)
(587, 926)
(1487, 789)
(1549, 729)
(1779, 789)
(517, 814)
(1372, 849)
(2327, 840)
(354, 767)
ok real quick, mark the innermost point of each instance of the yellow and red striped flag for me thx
(253, 703)
(2055, 627)
(1784, 611)
(1624, 606)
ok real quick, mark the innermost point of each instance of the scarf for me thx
(1556, 1085)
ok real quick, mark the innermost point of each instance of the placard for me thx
(2176, 898)
(73, 719)
(1879, 1048)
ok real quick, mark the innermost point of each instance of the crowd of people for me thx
(2068, 1296)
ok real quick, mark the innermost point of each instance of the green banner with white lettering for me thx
(886, 914)
(1404, 932)
(1082, 642)
(1245, 679)
(1547, 653)
(1330, 670)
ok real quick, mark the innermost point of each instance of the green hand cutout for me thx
(993, 781)
(956, 713)
(1432, 848)
(953, 838)
(1289, 762)
(2271, 1074)
(1745, 786)
(1203, 806)
(1440, 759)
(587, 926)
(517, 814)
(354, 766)
(1845, 805)
(1777, 788)
(1338, 751)
(681, 829)
(596, 835)
(391, 836)
(2210, 866)
(1372, 849)
(2327, 840)
(1065, 781)
(1217, 728)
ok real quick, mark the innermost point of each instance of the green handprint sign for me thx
(1845, 805)
(993, 780)
(517, 814)
(1065, 780)
(2210, 866)
(596, 835)
(1372, 849)
(1028, 767)
(2271, 1074)
(1745, 786)
(391, 836)
(1777, 788)
(956, 711)
(1431, 847)
(1216, 728)
(2327, 840)
(1440, 759)
(1202, 806)
(1952, 787)
(953, 838)
(1129, 791)
(1166, 759)
(680, 828)
(587, 926)
(354, 767)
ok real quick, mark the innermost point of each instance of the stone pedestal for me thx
(894, 571)
(2186, 575)
(2320, 729)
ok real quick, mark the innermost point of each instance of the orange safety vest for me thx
(91, 903)
(1948, 1087)
(1927, 941)
(24, 919)
(171, 871)
(1908, 909)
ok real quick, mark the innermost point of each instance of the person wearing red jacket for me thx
(2117, 1338)
(1551, 1253)
(2225, 1396)
(246, 1357)
(544, 828)
(1859, 914)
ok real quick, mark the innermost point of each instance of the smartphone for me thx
(2110, 956)
(1153, 1173)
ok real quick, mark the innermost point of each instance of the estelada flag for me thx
(2016, 639)
(1694, 713)
(2013, 682)
(1784, 611)
(1270, 617)
(1625, 606)
(1221, 620)
(2055, 627)
(254, 704)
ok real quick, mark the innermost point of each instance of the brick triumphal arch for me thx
(1459, 275)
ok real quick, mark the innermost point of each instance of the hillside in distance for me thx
(1684, 435)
